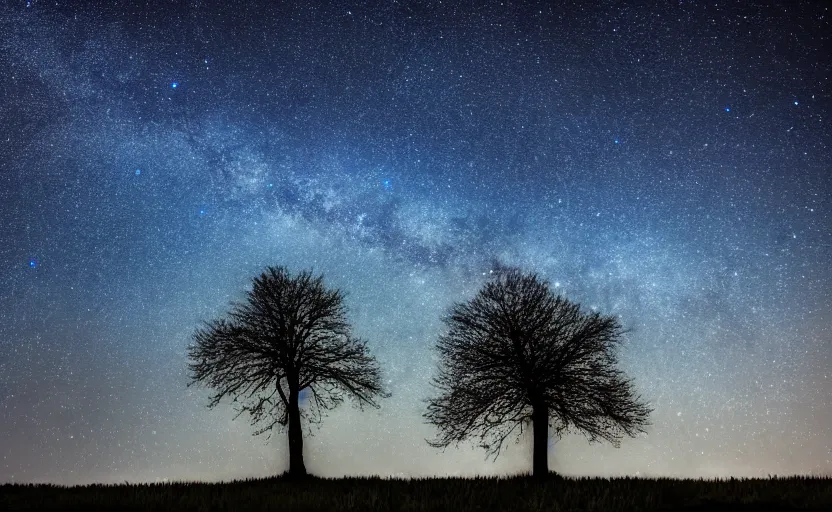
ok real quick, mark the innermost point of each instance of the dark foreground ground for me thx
(453, 494)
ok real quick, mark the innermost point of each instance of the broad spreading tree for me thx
(290, 334)
(516, 355)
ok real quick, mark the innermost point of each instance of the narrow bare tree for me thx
(517, 354)
(289, 335)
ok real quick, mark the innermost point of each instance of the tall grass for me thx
(451, 494)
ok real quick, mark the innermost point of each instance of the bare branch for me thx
(290, 333)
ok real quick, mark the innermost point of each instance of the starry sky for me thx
(670, 164)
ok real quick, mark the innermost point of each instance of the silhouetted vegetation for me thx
(456, 494)
(517, 354)
(289, 335)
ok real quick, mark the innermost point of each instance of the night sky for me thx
(671, 165)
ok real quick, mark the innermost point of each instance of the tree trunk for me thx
(540, 447)
(296, 467)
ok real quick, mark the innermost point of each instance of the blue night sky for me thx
(670, 165)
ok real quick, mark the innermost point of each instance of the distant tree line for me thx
(514, 355)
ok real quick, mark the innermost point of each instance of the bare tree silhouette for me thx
(290, 334)
(517, 354)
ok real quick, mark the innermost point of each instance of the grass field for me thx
(453, 494)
